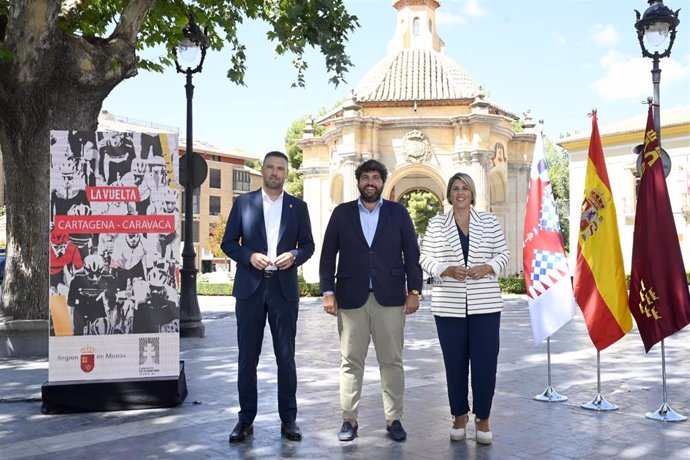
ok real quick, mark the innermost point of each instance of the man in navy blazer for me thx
(379, 280)
(269, 235)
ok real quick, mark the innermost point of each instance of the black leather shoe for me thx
(241, 431)
(347, 432)
(291, 431)
(396, 431)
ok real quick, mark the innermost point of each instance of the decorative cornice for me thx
(315, 171)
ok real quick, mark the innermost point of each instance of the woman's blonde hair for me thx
(464, 178)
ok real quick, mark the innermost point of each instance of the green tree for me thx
(557, 160)
(58, 62)
(216, 237)
(422, 206)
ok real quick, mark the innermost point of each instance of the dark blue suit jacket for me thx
(245, 234)
(392, 262)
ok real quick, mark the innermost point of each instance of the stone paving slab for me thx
(523, 428)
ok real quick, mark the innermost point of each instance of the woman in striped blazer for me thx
(464, 251)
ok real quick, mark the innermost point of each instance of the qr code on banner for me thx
(149, 351)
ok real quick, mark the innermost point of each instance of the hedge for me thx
(509, 285)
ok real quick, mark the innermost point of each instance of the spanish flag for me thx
(659, 298)
(599, 282)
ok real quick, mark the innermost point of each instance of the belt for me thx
(371, 290)
(268, 273)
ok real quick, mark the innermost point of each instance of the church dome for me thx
(420, 74)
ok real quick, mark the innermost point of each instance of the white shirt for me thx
(272, 213)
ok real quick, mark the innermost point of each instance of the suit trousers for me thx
(385, 325)
(266, 303)
(467, 342)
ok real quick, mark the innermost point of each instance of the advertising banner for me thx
(114, 251)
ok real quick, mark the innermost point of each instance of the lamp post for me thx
(654, 27)
(192, 174)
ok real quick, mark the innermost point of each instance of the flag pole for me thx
(550, 394)
(665, 413)
(599, 402)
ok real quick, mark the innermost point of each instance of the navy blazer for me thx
(245, 234)
(391, 263)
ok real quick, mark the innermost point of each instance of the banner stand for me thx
(550, 394)
(665, 413)
(111, 395)
(599, 402)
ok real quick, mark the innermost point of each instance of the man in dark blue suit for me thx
(379, 280)
(269, 235)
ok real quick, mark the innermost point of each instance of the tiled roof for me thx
(416, 75)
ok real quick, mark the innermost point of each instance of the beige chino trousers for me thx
(385, 325)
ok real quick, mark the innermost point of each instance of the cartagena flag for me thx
(659, 298)
(600, 287)
(547, 278)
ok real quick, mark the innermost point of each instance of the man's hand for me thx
(260, 261)
(330, 305)
(411, 303)
(284, 261)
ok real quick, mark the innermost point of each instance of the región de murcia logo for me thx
(647, 300)
(87, 359)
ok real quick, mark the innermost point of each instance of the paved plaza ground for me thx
(523, 428)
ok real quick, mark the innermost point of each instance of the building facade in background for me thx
(621, 141)
(425, 118)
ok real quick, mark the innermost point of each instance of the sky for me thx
(558, 59)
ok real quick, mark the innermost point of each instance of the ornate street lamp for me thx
(654, 28)
(193, 172)
(656, 25)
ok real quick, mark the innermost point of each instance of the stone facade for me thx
(423, 116)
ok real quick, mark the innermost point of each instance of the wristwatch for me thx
(413, 292)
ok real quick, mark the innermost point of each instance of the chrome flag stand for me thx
(665, 413)
(549, 395)
(599, 402)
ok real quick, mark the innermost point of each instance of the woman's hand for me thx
(480, 271)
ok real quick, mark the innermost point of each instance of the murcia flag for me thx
(547, 278)
(599, 285)
(659, 298)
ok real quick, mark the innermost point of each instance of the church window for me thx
(415, 27)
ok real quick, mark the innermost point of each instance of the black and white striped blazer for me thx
(441, 248)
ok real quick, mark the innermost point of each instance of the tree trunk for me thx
(55, 81)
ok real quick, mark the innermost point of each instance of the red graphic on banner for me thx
(115, 224)
(87, 359)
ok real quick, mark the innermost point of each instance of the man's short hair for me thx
(276, 153)
(372, 165)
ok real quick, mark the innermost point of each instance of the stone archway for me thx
(414, 177)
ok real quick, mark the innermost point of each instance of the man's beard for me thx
(274, 184)
(370, 198)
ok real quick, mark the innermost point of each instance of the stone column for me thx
(348, 168)
(480, 175)
(317, 196)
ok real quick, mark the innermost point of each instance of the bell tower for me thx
(416, 26)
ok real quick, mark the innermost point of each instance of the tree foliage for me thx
(216, 236)
(59, 60)
(558, 161)
(422, 206)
